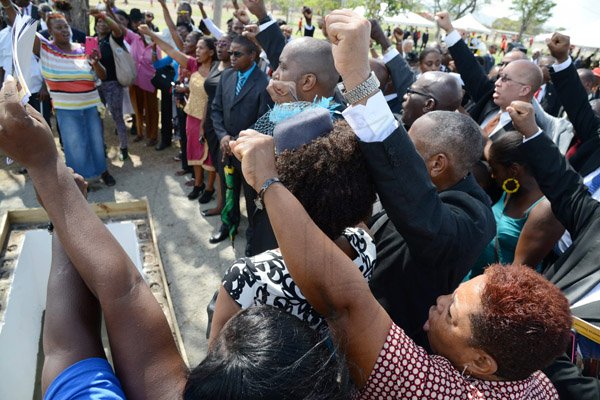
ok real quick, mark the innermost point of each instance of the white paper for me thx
(23, 37)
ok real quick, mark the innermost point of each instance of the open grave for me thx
(24, 267)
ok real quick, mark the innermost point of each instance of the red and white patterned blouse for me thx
(405, 371)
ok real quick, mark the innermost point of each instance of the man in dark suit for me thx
(577, 271)
(546, 95)
(438, 219)
(241, 98)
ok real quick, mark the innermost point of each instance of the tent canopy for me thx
(469, 23)
(582, 37)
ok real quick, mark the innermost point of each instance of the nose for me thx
(276, 74)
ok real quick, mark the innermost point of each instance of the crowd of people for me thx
(422, 224)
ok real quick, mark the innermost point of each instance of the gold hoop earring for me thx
(512, 182)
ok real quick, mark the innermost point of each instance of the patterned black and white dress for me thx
(264, 279)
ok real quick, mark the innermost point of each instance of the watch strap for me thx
(365, 89)
(258, 201)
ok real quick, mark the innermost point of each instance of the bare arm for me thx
(539, 235)
(175, 54)
(225, 309)
(115, 28)
(171, 25)
(137, 328)
(327, 277)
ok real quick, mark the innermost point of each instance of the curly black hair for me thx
(329, 177)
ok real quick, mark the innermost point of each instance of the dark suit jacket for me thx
(272, 41)
(551, 102)
(431, 239)
(401, 74)
(586, 124)
(232, 114)
(576, 271)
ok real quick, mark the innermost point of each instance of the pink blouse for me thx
(405, 371)
(142, 55)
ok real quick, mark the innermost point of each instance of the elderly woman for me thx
(323, 174)
(71, 79)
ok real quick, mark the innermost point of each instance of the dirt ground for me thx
(192, 265)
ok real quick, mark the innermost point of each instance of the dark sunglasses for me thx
(410, 91)
(236, 54)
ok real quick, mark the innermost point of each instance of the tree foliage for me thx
(506, 24)
(533, 13)
(459, 8)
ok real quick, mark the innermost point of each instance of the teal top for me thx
(502, 247)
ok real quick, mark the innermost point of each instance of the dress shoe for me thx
(161, 146)
(196, 192)
(138, 139)
(248, 252)
(206, 196)
(151, 143)
(108, 179)
(182, 172)
(219, 236)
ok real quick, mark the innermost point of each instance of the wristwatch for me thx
(258, 201)
(362, 91)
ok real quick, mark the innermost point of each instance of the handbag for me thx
(163, 78)
(124, 64)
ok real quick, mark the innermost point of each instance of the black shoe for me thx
(206, 196)
(161, 146)
(210, 213)
(196, 192)
(220, 236)
(124, 154)
(248, 252)
(108, 179)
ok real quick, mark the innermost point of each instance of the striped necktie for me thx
(240, 84)
(594, 184)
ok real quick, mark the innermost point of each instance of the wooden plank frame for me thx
(134, 209)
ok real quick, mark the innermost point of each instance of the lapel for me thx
(248, 86)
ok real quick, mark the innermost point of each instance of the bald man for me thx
(547, 96)
(432, 91)
(518, 79)
(588, 80)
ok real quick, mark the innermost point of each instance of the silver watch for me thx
(364, 90)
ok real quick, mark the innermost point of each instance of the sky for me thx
(568, 14)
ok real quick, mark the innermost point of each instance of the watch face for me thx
(258, 203)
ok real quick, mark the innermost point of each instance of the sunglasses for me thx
(236, 54)
(410, 91)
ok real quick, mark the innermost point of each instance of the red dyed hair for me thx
(524, 323)
(54, 16)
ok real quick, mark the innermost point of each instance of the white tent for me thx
(581, 37)
(405, 17)
(470, 24)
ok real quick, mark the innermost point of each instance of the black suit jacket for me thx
(431, 239)
(551, 102)
(402, 76)
(577, 271)
(272, 41)
(232, 114)
(586, 124)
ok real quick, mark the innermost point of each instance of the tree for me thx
(532, 13)
(506, 24)
(458, 8)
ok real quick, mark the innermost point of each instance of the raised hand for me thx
(444, 22)
(24, 135)
(350, 35)
(242, 15)
(257, 154)
(378, 35)
(257, 8)
(523, 118)
(250, 31)
(145, 30)
(559, 46)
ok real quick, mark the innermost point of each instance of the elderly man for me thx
(437, 222)
(515, 82)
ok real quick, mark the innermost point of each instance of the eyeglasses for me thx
(410, 91)
(236, 54)
(223, 44)
(504, 78)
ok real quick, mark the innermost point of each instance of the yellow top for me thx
(198, 99)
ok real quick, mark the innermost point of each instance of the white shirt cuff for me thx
(452, 38)
(391, 53)
(562, 66)
(264, 26)
(372, 122)
(214, 29)
(539, 132)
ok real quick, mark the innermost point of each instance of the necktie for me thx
(594, 184)
(240, 84)
(489, 127)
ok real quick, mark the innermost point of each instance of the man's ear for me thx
(429, 106)
(438, 164)
(308, 82)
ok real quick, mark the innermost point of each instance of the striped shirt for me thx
(69, 77)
